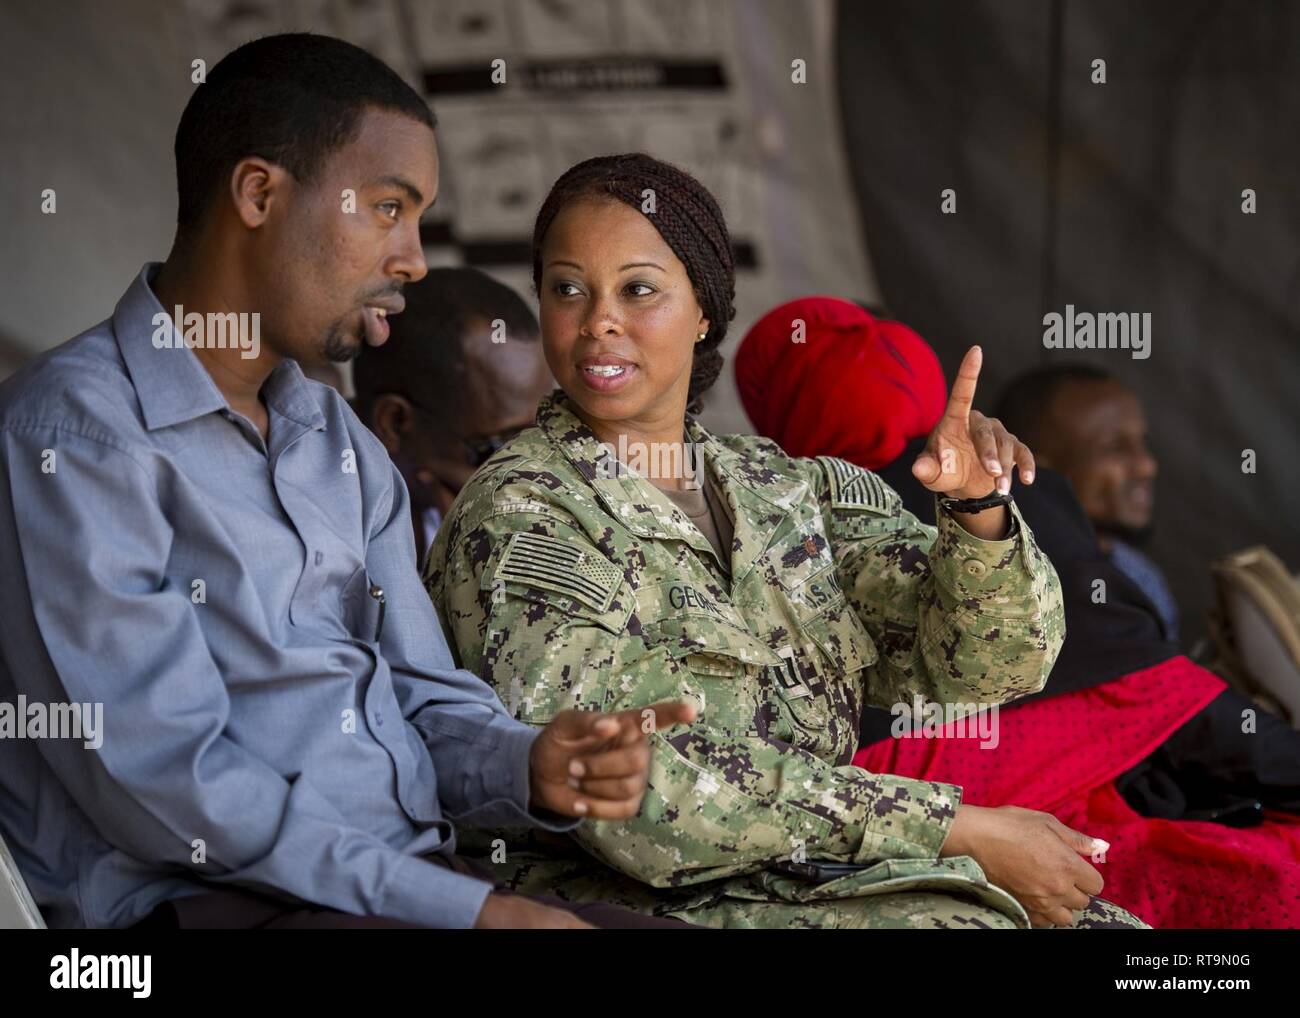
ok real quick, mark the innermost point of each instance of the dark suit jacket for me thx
(1102, 641)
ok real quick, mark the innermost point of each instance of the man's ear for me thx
(391, 417)
(254, 182)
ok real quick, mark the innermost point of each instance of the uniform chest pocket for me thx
(807, 583)
(710, 646)
(743, 673)
(801, 573)
(819, 687)
(800, 557)
(823, 681)
(726, 665)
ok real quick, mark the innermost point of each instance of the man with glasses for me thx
(461, 375)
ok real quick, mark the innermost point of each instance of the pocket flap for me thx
(715, 647)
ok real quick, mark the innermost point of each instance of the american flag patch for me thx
(538, 560)
(855, 488)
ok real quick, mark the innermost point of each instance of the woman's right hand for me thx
(515, 912)
(1030, 855)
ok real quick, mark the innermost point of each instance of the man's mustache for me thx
(388, 291)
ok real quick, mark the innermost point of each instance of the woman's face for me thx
(619, 316)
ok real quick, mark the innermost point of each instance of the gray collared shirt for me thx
(212, 593)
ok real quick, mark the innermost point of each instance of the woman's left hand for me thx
(968, 454)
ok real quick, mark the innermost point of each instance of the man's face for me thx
(1096, 434)
(330, 274)
(503, 384)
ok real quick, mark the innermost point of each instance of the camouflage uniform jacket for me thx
(565, 585)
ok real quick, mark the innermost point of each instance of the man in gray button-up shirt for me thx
(214, 551)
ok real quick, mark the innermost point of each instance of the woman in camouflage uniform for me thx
(618, 554)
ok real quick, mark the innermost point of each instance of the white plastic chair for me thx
(17, 910)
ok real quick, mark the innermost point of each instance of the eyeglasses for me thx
(480, 450)
(477, 450)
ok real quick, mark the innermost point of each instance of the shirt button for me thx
(975, 567)
(319, 558)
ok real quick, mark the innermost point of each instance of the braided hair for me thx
(689, 220)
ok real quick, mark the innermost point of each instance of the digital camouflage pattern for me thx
(566, 582)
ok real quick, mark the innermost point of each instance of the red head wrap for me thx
(855, 387)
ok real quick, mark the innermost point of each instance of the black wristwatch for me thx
(975, 505)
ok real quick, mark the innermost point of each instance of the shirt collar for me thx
(287, 392)
(170, 383)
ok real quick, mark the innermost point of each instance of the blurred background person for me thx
(1089, 426)
(814, 349)
(325, 372)
(461, 375)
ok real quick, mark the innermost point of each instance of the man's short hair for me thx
(292, 99)
(1027, 399)
(424, 358)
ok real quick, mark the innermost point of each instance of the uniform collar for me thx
(758, 497)
(641, 507)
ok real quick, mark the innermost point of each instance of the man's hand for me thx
(968, 454)
(589, 764)
(515, 912)
(1030, 855)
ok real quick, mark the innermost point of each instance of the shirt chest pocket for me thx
(820, 683)
(362, 604)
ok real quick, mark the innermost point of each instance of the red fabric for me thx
(855, 384)
(1062, 754)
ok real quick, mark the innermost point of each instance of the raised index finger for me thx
(963, 389)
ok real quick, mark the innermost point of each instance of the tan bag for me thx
(1256, 629)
